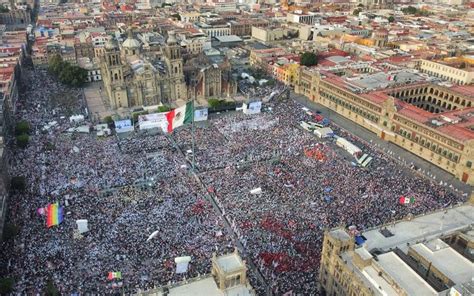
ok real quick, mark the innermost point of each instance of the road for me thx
(403, 156)
(211, 198)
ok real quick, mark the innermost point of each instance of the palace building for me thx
(404, 107)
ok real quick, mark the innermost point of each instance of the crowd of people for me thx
(129, 187)
(125, 188)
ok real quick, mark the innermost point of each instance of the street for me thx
(404, 156)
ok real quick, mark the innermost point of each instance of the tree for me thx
(176, 16)
(22, 140)
(55, 64)
(356, 11)
(18, 183)
(391, 19)
(4, 9)
(309, 59)
(6, 286)
(163, 108)
(108, 119)
(66, 73)
(22, 127)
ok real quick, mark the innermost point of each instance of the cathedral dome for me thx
(131, 42)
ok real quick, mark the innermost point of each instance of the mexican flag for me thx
(114, 275)
(406, 200)
(180, 116)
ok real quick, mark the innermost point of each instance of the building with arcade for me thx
(434, 121)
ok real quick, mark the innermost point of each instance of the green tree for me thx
(22, 127)
(391, 19)
(18, 183)
(163, 108)
(213, 103)
(55, 64)
(66, 73)
(308, 59)
(356, 12)
(4, 9)
(22, 140)
(410, 10)
(6, 286)
(108, 119)
(176, 16)
(136, 114)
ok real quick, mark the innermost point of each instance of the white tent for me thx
(80, 129)
(76, 118)
(256, 191)
(323, 132)
(182, 264)
(82, 226)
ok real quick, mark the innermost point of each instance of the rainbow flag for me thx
(54, 215)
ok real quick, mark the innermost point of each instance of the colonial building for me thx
(460, 73)
(434, 122)
(209, 79)
(427, 255)
(228, 276)
(133, 79)
(137, 76)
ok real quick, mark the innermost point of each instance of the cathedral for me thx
(135, 78)
(132, 79)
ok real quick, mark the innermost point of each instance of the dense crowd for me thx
(126, 189)
(129, 187)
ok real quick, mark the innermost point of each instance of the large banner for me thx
(155, 120)
(252, 108)
(200, 114)
(122, 126)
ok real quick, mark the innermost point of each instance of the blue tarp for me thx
(328, 189)
(359, 240)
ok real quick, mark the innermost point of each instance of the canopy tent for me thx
(182, 264)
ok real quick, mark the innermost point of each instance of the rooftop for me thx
(230, 262)
(406, 277)
(444, 258)
(421, 228)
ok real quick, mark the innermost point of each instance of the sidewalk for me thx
(403, 156)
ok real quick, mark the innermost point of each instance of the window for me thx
(469, 164)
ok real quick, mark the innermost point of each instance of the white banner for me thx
(155, 120)
(182, 264)
(252, 108)
(82, 226)
(200, 114)
(122, 126)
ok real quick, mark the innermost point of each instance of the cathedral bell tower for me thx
(112, 74)
(175, 67)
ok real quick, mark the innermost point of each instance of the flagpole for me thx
(193, 129)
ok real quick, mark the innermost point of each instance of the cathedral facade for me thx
(133, 79)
